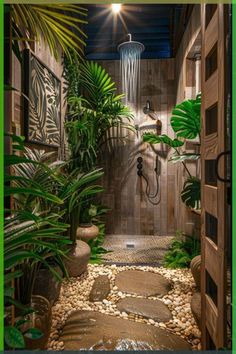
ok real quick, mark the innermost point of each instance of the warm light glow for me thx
(116, 8)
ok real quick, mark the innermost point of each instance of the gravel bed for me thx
(75, 294)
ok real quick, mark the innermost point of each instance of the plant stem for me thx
(184, 164)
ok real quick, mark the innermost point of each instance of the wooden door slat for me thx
(210, 194)
(211, 34)
(211, 87)
(211, 318)
(212, 264)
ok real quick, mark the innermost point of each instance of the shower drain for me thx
(129, 245)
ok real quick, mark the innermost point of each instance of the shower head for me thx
(131, 45)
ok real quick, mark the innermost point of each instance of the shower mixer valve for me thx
(139, 166)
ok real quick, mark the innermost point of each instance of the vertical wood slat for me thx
(214, 256)
(131, 212)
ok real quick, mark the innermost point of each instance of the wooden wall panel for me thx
(186, 220)
(131, 212)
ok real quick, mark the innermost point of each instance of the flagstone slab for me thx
(101, 288)
(142, 283)
(151, 309)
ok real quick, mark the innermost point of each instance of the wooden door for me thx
(213, 143)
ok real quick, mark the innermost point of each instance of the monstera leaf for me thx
(191, 193)
(156, 139)
(185, 119)
(184, 157)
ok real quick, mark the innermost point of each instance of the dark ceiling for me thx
(159, 27)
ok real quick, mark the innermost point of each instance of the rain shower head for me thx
(131, 45)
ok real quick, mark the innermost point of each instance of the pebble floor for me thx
(75, 296)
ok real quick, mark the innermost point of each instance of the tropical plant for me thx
(14, 336)
(182, 250)
(185, 122)
(78, 190)
(31, 235)
(88, 214)
(185, 119)
(59, 25)
(92, 114)
(97, 250)
(30, 239)
(67, 193)
(191, 193)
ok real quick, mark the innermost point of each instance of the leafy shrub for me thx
(182, 250)
(96, 246)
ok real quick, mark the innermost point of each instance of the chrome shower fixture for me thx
(131, 45)
(147, 109)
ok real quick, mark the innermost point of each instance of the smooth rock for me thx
(92, 330)
(151, 309)
(79, 258)
(100, 289)
(196, 308)
(195, 267)
(142, 283)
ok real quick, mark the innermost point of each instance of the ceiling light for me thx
(116, 8)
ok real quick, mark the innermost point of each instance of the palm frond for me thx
(60, 26)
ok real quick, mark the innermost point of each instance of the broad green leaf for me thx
(13, 338)
(191, 193)
(186, 119)
(184, 157)
(34, 333)
(157, 139)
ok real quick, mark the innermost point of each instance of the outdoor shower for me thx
(130, 54)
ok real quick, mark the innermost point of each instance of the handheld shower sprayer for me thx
(151, 197)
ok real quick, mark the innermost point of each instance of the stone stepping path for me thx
(93, 330)
(142, 283)
(101, 288)
(151, 309)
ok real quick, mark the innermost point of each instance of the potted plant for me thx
(76, 188)
(30, 238)
(87, 230)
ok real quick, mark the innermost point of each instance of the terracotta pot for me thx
(47, 285)
(79, 256)
(87, 232)
(40, 319)
(195, 267)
